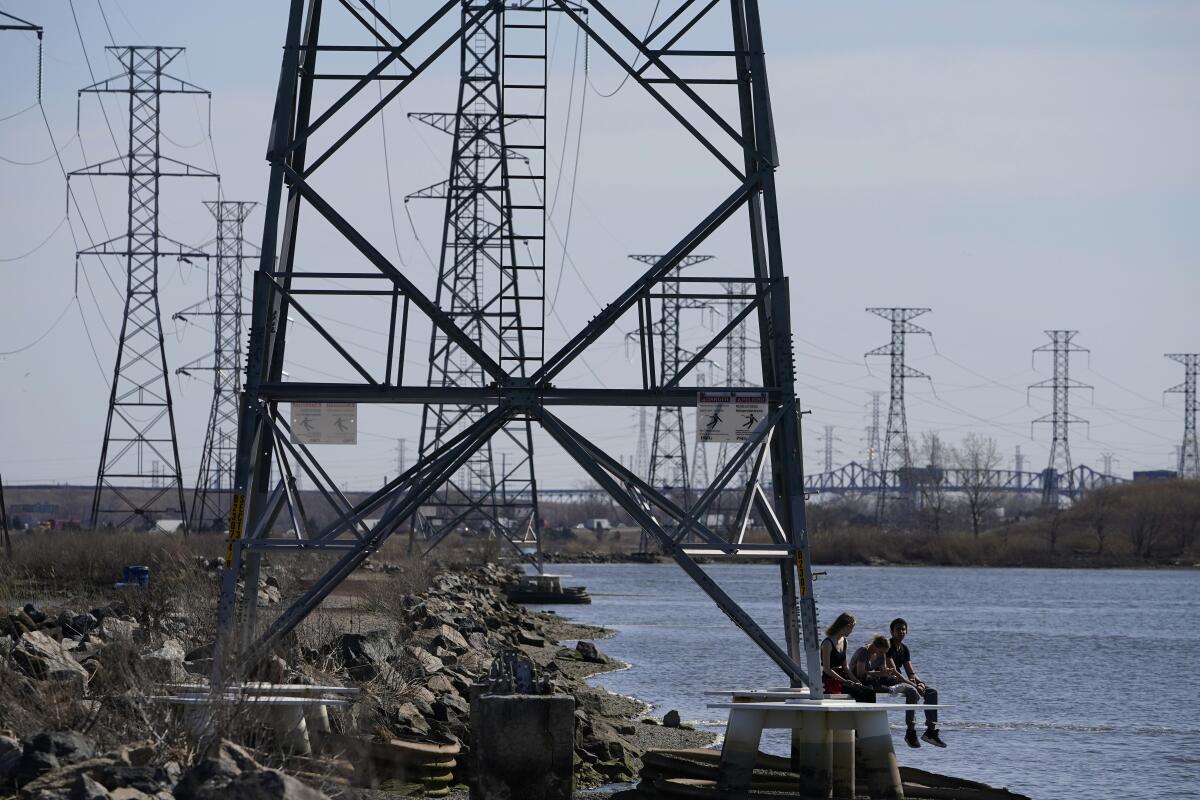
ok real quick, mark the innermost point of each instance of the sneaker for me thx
(931, 736)
(910, 738)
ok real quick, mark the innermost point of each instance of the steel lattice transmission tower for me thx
(872, 432)
(897, 450)
(309, 133)
(668, 469)
(736, 309)
(828, 448)
(1189, 449)
(226, 307)
(140, 427)
(1060, 418)
(490, 279)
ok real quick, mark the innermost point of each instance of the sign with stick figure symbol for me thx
(324, 423)
(750, 413)
(715, 418)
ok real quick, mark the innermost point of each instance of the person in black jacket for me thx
(901, 659)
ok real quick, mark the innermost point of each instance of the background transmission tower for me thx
(872, 433)
(214, 484)
(1189, 450)
(828, 448)
(490, 279)
(140, 428)
(1060, 346)
(735, 360)
(668, 469)
(897, 452)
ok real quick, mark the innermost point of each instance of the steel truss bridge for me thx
(855, 478)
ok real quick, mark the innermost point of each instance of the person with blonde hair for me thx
(870, 665)
(836, 677)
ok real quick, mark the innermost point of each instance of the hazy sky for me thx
(1014, 166)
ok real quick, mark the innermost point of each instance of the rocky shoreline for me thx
(414, 664)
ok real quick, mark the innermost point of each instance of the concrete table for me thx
(290, 715)
(825, 732)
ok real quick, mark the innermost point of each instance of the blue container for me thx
(137, 575)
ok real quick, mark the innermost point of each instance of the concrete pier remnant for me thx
(522, 746)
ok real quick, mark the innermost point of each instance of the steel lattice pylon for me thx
(310, 130)
(214, 483)
(1189, 448)
(735, 359)
(493, 243)
(1059, 467)
(872, 432)
(897, 450)
(668, 467)
(140, 429)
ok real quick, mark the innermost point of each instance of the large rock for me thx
(591, 653)
(210, 776)
(85, 788)
(428, 662)
(366, 656)
(166, 663)
(46, 753)
(39, 656)
(267, 784)
(10, 756)
(116, 629)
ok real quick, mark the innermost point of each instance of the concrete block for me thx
(522, 746)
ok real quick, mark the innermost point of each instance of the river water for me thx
(1063, 682)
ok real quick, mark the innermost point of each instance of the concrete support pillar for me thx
(522, 746)
(880, 770)
(289, 724)
(739, 753)
(813, 754)
(316, 716)
(843, 764)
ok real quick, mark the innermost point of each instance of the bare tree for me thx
(930, 481)
(1185, 514)
(1053, 525)
(1145, 524)
(977, 460)
(1099, 506)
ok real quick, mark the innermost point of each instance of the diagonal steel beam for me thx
(584, 453)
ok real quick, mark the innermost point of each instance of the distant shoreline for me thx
(586, 557)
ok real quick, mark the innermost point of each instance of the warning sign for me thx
(750, 411)
(715, 421)
(324, 423)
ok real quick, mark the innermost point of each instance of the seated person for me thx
(870, 665)
(835, 676)
(900, 658)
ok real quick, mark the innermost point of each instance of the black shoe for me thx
(931, 736)
(910, 738)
